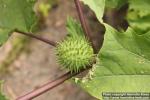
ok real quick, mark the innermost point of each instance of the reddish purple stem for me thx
(38, 38)
(84, 24)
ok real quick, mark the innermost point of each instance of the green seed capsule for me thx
(75, 53)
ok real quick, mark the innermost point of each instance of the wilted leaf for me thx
(97, 6)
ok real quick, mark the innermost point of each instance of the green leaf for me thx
(142, 6)
(97, 6)
(16, 14)
(139, 24)
(115, 3)
(139, 15)
(4, 35)
(123, 64)
(74, 28)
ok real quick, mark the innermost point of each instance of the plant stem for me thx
(48, 86)
(84, 24)
(38, 38)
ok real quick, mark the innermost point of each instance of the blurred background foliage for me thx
(17, 43)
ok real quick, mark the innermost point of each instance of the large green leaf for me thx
(97, 6)
(123, 64)
(16, 14)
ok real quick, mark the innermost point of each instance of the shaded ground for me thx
(38, 65)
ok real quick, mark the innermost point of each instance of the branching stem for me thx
(38, 38)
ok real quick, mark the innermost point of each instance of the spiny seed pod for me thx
(75, 53)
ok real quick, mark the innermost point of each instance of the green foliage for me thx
(139, 15)
(16, 14)
(115, 3)
(142, 6)
(3, 35)
(121, 67)
(75, 52)
(74, 28)
(123, 64)
(2, 97)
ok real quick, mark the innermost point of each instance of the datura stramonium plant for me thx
(75, 53)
